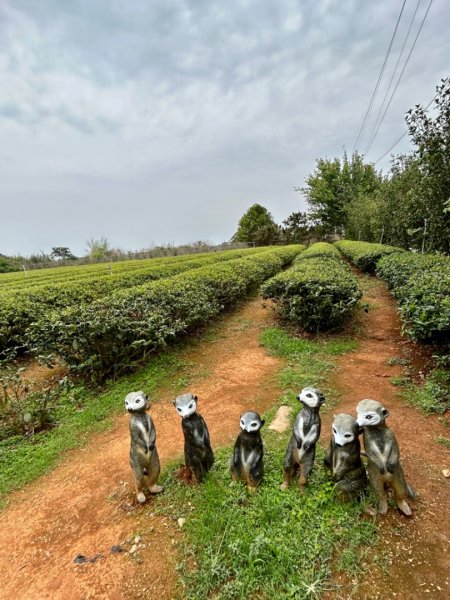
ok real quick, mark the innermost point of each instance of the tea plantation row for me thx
(20, 306)
(107, 336)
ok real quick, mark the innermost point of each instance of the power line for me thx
(403, 134)
(401, 75)
(374, 93)
(372, 136)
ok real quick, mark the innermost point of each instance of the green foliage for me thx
(317, 293)
(24, 410)
(433, 396)
(334, 185)
(421, 285)
(9, 265)
(364, 254)
(98, 249)
(431, 136)
(320, 249)
(111, 335)
(296, 228)
(25, 300)
(257, 225)
(62, 253)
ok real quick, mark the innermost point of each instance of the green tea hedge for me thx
(320, 249)
(316, 293)
(110, 335)
(21, 307)
(364, 254)
(421, 285)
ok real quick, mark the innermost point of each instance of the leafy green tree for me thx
(257, 225)
(334, 185)
(98, 249)
(7, 264)
(62, 253)
(431, 135)
(295, 228)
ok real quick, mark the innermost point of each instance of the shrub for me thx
(364, 254)
(21, 307)
(317, 293)
(114, 333)
(421, 285)
(320, 249)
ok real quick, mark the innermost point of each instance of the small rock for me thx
(181, 521)
(133, 549)
(80, 559)
(137, 539)
(446, 473)
(282, 421)
(116, 549)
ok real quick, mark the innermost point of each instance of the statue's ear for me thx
(385, 412)
(262, 422)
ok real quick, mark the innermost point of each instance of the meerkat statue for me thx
(247, 463)
(144, 457)
(344, 459)
(383, 456)
(198, 455)
(301, 449)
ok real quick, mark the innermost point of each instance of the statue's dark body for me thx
(248, 463)
(198, 454)
(347, 469)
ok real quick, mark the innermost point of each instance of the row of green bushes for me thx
(318, 292)
(87, 272)
(19, 308)
(421, 285)
(108, 336)
(364, 254)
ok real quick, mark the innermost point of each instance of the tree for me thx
(98, 249)
(333, 185)
(431, 135)
(257, 225)
(295, 228)
(62, 253)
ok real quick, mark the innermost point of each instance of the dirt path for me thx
(419, 547)
(86, 505)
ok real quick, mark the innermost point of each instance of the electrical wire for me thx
(401, 75)
(372, 136)
(374, 93)
(403, 134)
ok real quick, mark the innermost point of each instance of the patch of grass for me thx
(397, 360)
(400, 381)
(270, 544)
(444, 441)
(433, 396)
(25, 459)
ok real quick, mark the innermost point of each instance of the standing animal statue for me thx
(344, 459)
(383, 456)
(198, 455)
(144, 457)
(301, 449)
(247, 463)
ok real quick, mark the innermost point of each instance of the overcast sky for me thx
(157, 121)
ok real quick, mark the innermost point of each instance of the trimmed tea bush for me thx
(23, 306)
(316, 293)
(114, 333)
(320, 249)
(421, 285)
(364, 254)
